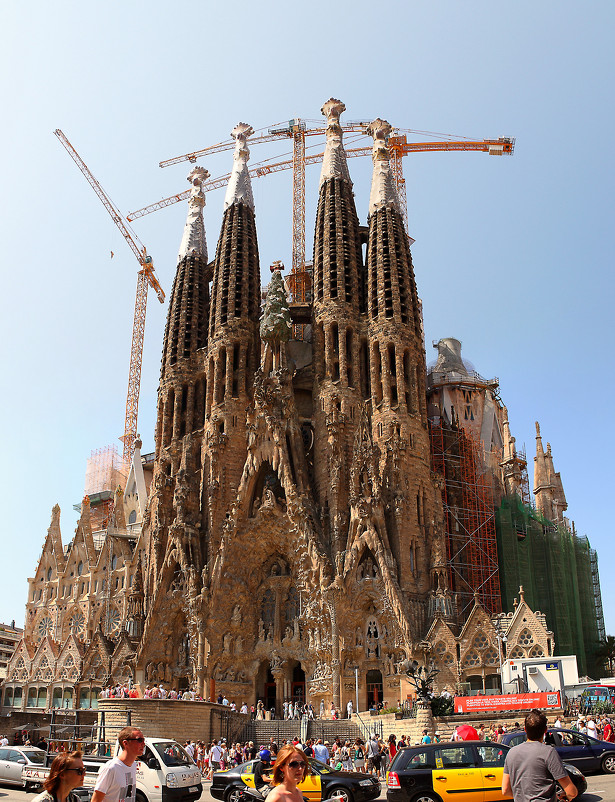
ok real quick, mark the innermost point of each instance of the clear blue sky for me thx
(512, 254)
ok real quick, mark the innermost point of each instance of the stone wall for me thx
(199, 721)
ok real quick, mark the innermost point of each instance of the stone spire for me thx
(548, 487)
(236, 279)
(239, 188)
(384, 190)
(391, 289)
(85, 524)
(334, 161)
(193, 241)
(541, 476)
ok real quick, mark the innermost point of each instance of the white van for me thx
(165, 773)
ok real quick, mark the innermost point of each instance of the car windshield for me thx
(321, 768)
(172, 754)
(37, 757)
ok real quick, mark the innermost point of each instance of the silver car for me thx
(14, 758)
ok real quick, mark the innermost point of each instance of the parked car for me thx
(14, 758)
(582, 751)
(321, 782)
(464, 771)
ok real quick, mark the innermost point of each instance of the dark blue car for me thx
(582, 751)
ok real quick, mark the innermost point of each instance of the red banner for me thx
(512, 701)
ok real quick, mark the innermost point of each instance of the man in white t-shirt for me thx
(117, 779)
(215, 756)
(4, 741)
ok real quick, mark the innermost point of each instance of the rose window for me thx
(480, 641)
(491, 657)
(526, 638)
(472, 659)
(440, 647)
(77, 624)
(113, 620)
(44, 626)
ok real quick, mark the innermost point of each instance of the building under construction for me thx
(497, 540)
(319, 508)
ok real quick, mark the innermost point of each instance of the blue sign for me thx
(552, 666)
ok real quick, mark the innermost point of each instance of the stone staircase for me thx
(280, 730)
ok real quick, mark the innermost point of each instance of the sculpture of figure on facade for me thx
(276, 661)
(226, 640)
(236, 617)
(261, 630)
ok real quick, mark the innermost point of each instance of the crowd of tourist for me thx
(372, 757)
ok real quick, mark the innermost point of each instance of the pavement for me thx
(600, 788)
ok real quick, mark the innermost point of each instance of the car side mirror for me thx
(152, 763)
(22, 761)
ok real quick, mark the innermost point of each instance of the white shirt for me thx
(117, 781)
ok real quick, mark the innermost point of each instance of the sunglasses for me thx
(79, 771)
(296, 764)
(138, 740)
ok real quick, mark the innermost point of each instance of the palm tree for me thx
(606, 651)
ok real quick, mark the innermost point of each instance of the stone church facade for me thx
(289, 531)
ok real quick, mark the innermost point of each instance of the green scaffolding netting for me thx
(555, 568)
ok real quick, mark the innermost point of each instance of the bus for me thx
(596, 694)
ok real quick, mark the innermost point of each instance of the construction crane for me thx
(146, 277)
(297, 130)
(398, 148)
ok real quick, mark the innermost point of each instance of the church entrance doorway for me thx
(375, 693)
(298, 685)
(269, 699)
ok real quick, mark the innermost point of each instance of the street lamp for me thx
(501, 640)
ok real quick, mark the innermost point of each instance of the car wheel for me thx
(425, 796)
(140, 797)
(343, 793)
(608, 763)
(233, 794)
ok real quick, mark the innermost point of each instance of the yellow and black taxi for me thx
(464, 771)
(322, 782)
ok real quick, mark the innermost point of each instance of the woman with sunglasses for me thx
(66, 772)
(290, 769)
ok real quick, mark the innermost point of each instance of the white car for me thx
(14, 758)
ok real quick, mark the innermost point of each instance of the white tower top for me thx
(193, 241)
(239, 188)
(384, 190)
(334, 161)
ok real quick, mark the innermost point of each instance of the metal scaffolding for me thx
(471, 543)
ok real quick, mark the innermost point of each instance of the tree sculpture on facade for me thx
(422, 678)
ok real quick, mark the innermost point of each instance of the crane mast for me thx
(146, 278)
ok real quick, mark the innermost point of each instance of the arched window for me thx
(292, 605)
(132, 518)
(268, 608)
(48, 574)
(80, 568)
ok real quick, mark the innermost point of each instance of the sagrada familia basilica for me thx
(302, 519)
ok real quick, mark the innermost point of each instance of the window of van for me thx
(172, 754)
